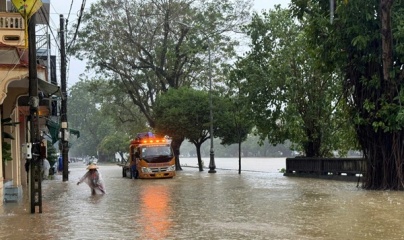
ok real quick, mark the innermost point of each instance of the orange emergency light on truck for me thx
(151, 156)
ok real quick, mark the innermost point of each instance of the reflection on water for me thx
(197, 205)
(155, 210)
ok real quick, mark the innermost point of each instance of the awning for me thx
(8, 135)
(74, 132)
(54, 129)
(49, 88)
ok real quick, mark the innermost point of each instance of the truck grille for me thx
(156, 170)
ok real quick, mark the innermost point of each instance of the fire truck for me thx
(150, 156)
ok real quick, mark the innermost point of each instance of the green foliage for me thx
(282, 170)
(116, 142)
(183, 112)
(52, 154)
(186, 112)
(100, 126)
(146, 47)
(6, 147)
(291, 92)
(235, 117)
(6, 152)
(364, 43)
(356, 33)
(233, 122)
(87, 122)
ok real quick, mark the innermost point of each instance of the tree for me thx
(235, 121)
(85, 115)
(115, 143)
(365, 43)
(291, 95)
(184, 112)
(149, 46)
(127, 118)
(102, 129)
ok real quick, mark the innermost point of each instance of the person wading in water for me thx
(93, 179)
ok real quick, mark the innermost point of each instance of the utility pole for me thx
(34, 142)
(63, 113)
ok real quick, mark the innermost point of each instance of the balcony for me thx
(11, 21)
(12, 27)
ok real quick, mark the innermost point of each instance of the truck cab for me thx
(151, 156)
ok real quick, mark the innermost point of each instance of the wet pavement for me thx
(258, 204)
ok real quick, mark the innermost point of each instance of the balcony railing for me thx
(9, 21)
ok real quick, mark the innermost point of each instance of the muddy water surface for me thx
(258, 204)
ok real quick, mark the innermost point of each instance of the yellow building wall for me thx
(8, 99)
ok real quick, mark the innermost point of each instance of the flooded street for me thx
(258, 204)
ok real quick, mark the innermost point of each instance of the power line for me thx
(83, 4)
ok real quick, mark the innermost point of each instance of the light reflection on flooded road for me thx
(155, 209)
(199, 205)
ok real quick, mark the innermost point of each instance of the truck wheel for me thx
(127, 173)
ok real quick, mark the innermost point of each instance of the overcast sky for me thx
(77, 67)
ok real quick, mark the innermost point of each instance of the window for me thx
(8, 38)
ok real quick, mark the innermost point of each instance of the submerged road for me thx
(199, 205)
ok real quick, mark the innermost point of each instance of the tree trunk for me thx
(313, 145)
(176, 144)
(385, 155)
(387, 42)
(198, 154)
(384, 150)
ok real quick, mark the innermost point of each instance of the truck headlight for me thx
(146, 170)
(171, 168)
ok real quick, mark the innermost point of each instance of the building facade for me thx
(14, 96)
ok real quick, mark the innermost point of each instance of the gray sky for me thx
(77, 67)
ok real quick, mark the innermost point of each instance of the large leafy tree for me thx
(149, 46)
(365, 41)
(292, 96)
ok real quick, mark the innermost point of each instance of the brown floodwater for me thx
(258, 204)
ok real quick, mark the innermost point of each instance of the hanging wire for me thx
(83, 4)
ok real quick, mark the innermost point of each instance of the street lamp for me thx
(212, 165)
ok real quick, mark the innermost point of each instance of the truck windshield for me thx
(160, 153)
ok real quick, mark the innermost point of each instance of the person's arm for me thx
(82, 178)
